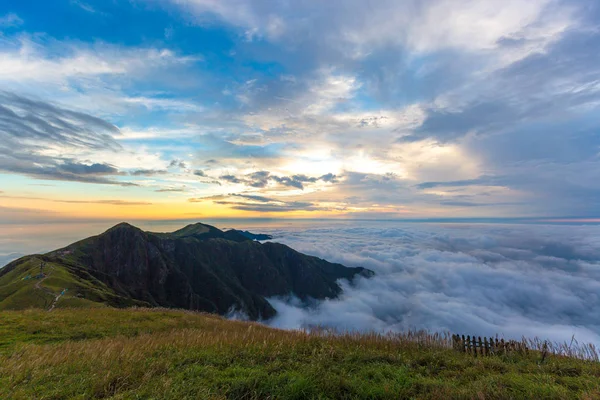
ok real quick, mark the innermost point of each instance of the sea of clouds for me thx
(482, 279)
(511, 280)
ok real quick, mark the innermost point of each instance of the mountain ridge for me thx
(198, 267)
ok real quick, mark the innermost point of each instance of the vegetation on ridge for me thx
(171, 354)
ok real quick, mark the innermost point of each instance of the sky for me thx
(394, 109)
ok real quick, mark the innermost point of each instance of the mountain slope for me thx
(170, 354)
(198, 267)
(253, 236)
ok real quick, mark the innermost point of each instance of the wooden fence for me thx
(478, 347)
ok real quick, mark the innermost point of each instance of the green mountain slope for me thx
(198, 267)
(21, 286)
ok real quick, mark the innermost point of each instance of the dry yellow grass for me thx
(141, 353)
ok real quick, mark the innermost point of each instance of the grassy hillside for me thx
(62, 285)
(160, 354)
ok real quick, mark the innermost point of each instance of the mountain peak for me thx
(123, 226)
(198, 267)
(194, 229)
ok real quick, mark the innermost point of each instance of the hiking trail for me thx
(39, 286)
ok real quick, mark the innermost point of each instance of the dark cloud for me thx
(28, 127)
(92, 169)
(168, 190)
(275, 207)
(199, 172)
(481, 181)
(177, 164)
(298, 181)
(260, 179)
(288, 181)
(329, 178)
(464, 203)
(546, 86)
(230, 178)
(33, 166)
(257, 203)
(112, 202)
(481, 117)
(261, 199)
(149, 172)
(24, 118)
(533, 125)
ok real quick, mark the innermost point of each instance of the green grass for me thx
(83, 290)
(170, 354)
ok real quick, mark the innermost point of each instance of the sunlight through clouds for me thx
(404, 108)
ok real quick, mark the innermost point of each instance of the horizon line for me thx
(591, 220)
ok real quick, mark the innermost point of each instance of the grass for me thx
(83, 290)
(169, 354)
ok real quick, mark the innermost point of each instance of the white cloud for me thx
(385, 94)
(422, 26)
(84, 6)
(468, 25)
(511, 280)
(24, 60)
(131, 133)
(163, 104)
(10, 20)
(330, 90)
(97, 78)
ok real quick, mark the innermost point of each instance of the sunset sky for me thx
(182, 109)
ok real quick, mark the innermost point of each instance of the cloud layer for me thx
(34, 134)
(512, 280)
(402, 109)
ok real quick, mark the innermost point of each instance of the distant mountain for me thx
(253, 236)
(198, 267)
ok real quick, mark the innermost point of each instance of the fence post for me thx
(544, 351)
(477, 346)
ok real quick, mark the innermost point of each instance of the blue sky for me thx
(388, 109)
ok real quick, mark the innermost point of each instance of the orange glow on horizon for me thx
(88, 209)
